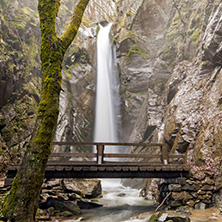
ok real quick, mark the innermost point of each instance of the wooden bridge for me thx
(97, 164)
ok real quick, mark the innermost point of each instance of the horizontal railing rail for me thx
(100, 154)
(100, 164)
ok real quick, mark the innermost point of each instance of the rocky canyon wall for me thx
(170, 62)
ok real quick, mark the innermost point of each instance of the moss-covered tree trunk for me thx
(22, 202)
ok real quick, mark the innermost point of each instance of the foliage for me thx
(27, 184)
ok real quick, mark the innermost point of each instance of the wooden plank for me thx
(117, 168)
(186, 167)
(130, 155)
(173, 167)
(157, 168)
(100, 153)
(110, 168)
(86, 168)
(68, 168)
(93, 168)
(77, 168)
(165, 168)
(134, 168)
(150, 168)
(176, 156)
(125, 169)
(164, 154)
(143, 168)
(180, 168)
(50, 168)
(59, 168)
(105, 144)
(101, 168)
(88, 155)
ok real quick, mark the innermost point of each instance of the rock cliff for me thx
(170, 62)
(20, 82)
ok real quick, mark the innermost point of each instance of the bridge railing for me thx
(101, 157)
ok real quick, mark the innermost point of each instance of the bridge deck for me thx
(110, 170)
(95, 165)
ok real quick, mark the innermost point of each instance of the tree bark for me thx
(22, 202)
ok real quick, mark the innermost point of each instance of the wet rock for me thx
(200, 206)
(88, 204)
(174, 203)
(190, 203)
(212, 38)
(175, 187)
(87, 188)
(208, 181)
(51, 183)
(185, 196)
(178, 219)
(164, 217)
(199, 175)
(66, 214)
(121, 195)
(60, 205)
(207, 187)
(189, 187)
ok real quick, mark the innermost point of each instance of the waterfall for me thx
(106, 113)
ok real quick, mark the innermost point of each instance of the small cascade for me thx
(106, 116)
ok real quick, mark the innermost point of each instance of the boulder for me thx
(87, 204)
(164, 217)
(60, 206)
(88, 188)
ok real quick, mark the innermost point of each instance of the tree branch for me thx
(179, 13)
(74, 24)
(163, 201)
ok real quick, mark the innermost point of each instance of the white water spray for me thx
(106, 112)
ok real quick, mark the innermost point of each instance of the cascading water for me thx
(120, 203)
(106, 92)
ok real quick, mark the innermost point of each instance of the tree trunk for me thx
(22, 202)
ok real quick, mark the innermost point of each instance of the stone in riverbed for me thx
(89, 188)
(66, 214)
(190, 203)
(60, 205)
(87, 204)
(163, 217)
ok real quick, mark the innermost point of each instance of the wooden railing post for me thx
(100, 152)
(164, 154)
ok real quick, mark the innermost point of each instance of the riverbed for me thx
(123, 204)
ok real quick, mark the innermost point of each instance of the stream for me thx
(123, 204)
(120, 204)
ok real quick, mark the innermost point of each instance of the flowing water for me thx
(106, 114)
(120, 204)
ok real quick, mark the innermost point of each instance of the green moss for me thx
(7, 134)
(135, 49)
(170, 54)
(155, 217)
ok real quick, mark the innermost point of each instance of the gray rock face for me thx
(143, 72)
(212, 39)
(179, 100)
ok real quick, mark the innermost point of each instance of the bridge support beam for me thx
(164, 154)
(100, 153)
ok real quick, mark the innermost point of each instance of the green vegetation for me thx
(26, 192)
